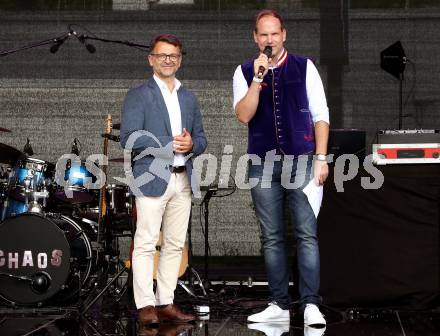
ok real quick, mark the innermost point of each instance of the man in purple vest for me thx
(282, 100)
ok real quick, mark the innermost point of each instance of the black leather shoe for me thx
(173, 314)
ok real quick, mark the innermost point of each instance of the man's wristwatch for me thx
(257, 79)
(321, 157)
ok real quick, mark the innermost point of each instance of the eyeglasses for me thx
(163, 57)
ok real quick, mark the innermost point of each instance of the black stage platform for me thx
(380, 257)
(229, 308)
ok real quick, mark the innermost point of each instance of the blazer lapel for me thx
(183, 109)
(160, 102)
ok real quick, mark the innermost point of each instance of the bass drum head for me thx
(38, 256)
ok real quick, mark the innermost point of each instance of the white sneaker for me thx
(310, 331)
(272, 313)
(271, 329)
(312, 316)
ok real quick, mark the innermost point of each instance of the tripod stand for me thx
(109, 264)
(191, 272)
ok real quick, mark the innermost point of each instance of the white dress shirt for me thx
(173, 107)
(315, 90)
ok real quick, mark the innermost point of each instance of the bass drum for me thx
(43, 259)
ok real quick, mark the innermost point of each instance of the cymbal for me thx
(116, 126)
(9, 154)
(5, 130)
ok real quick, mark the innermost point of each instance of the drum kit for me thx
(53, 248)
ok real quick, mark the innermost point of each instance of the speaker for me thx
(347, 141)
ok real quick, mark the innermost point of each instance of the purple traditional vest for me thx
(283, 120)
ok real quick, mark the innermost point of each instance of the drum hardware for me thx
(92, 225)
(4, 173)
(35, 207)
(76, 147)
(112, 137)
(18, 277)
(89, 251)
(27, 149)
(117, 160)
(114, 201)
(89, 304)
(39, 282)
(120, 198)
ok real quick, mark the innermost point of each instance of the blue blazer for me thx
(144, 109)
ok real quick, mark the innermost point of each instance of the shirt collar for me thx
(163, 86)
(281, 60)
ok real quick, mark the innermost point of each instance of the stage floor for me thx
(229, 308)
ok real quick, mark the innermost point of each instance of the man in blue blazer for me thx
(161, 124)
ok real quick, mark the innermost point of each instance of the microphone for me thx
(75, 148)
(268, 52)
(82, 39)
(58, 43)
(27, 149)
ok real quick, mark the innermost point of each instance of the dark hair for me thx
(268, 12)
(168, 38)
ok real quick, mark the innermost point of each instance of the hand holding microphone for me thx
(262, 62)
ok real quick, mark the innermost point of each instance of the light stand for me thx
(393, 60)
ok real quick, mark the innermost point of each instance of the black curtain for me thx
(380, 248)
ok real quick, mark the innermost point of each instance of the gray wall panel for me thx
(52, 98)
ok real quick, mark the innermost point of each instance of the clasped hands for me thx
(183, 143)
